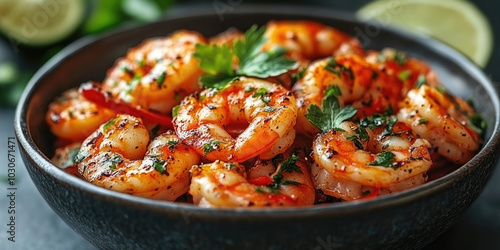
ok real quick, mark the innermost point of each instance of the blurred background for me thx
(32, 32)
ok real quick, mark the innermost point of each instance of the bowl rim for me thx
(47, 168)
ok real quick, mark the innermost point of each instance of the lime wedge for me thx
(457, 23)
(40, 22)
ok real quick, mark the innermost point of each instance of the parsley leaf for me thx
(210, 146)
(384, 159)
(332, 114)
(217, 61)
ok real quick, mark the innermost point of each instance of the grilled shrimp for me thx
(310, 40)
(354, 160)
(353, 81)
(444, 120)
(408, 69)
(74, 118)
(283, 181)
(117, 157)
(158, 73)
(263, 111)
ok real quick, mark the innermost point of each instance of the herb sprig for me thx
(332, 114)
(217, 61)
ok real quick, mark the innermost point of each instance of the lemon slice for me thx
(40, 22)
(455, 22)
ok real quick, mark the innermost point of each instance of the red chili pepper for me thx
(93, 94)
(261, 181)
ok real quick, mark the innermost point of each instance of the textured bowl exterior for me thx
(111, 220)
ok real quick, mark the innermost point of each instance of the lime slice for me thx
(455, 22)
(40, 22)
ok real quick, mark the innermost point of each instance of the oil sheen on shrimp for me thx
(265, 112)
(353, 81)
(347, 166)
(271, 183)
(158, 73)
(117, 157)
(410, 70)
(444, 120)
(74, 118)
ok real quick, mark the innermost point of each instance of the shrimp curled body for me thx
(443, 120)
(222, 184)
(340, 161)
(158, 73)
(267, 111)
(117, 157)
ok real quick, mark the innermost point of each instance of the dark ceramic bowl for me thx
(410, 219)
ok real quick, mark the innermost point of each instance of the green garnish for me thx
(332, 114)
(71, 160)
(421, 80)
(332, 67)
(478, 124)
(210, 146)
(400, 57)
(141, 63)
(422, 121)
(269, 109)
(161, 79)
(355, 140)
(384, 159)
(230, 165)
(175, 111)
(333, 90)
(172, 144)
(159, 165)
(297, 76)
(289, 165)
(217, 61)
(155, 130)
(249, 89)
(404, 75)
(111, 162)
(108, 124)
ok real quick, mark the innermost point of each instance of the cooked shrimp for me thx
(267, 111)
(158, 73)
(351, 161)
(408, 69)
(74, 118)
(353, 81)
(272, 183)
(117, 157)
(310, 40)
(442, 119)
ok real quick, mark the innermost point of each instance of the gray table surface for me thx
(38, 227)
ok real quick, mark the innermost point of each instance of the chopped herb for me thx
(262, 93)
(297, 76)
(384, 159)
(400, 57)
(161, 79)
(141, 63)
(332, 114)
(172, 144)
(108, 124)
(217, 61)
(70, 114)
(276, 160)
(269, 109)
(404, 75)
(355, 140)
(249, 89)
(348, 70)
(377, 120)
(202, 97)
(289, 182)
(230, 165)
(441, 90)
(421, 80)
(478, 124)
(333, 90)
(159, 165)
(331, 66)
(82, 154)
(210, 146)
(260, 190)
(175, 111)
(289, 165)
(363, 135)
(111, 162)
(422, 121)
(71, 160)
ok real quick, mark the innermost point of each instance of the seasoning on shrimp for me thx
(120, 157)
(282, 181)
(262, 113)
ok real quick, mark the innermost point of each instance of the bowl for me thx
(112, 220)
